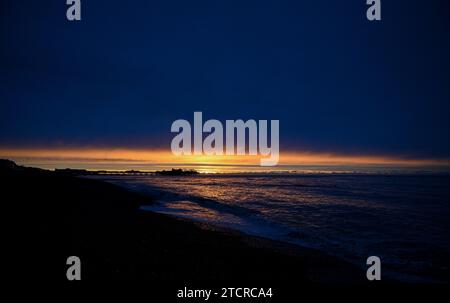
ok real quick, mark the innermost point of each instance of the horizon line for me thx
(165, 157)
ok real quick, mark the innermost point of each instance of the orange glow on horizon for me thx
(166, 157)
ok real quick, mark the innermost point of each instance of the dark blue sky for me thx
(119, 77)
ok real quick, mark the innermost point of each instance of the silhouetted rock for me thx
(176, 172)
(74, 172)
(8, 165)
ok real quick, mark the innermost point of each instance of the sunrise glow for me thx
(94, 158)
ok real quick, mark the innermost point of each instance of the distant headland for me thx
(85, 172)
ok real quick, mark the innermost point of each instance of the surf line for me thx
(213, 143)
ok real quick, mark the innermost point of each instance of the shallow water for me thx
(403, 219)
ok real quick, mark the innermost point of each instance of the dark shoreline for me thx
(55, 216)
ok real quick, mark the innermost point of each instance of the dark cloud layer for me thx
(334, 80)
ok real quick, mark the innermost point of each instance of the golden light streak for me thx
(25, 155)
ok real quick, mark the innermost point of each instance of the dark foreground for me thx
(51, 216)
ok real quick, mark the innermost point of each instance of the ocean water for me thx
(403, 219)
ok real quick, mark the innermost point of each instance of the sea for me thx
(404, 219)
